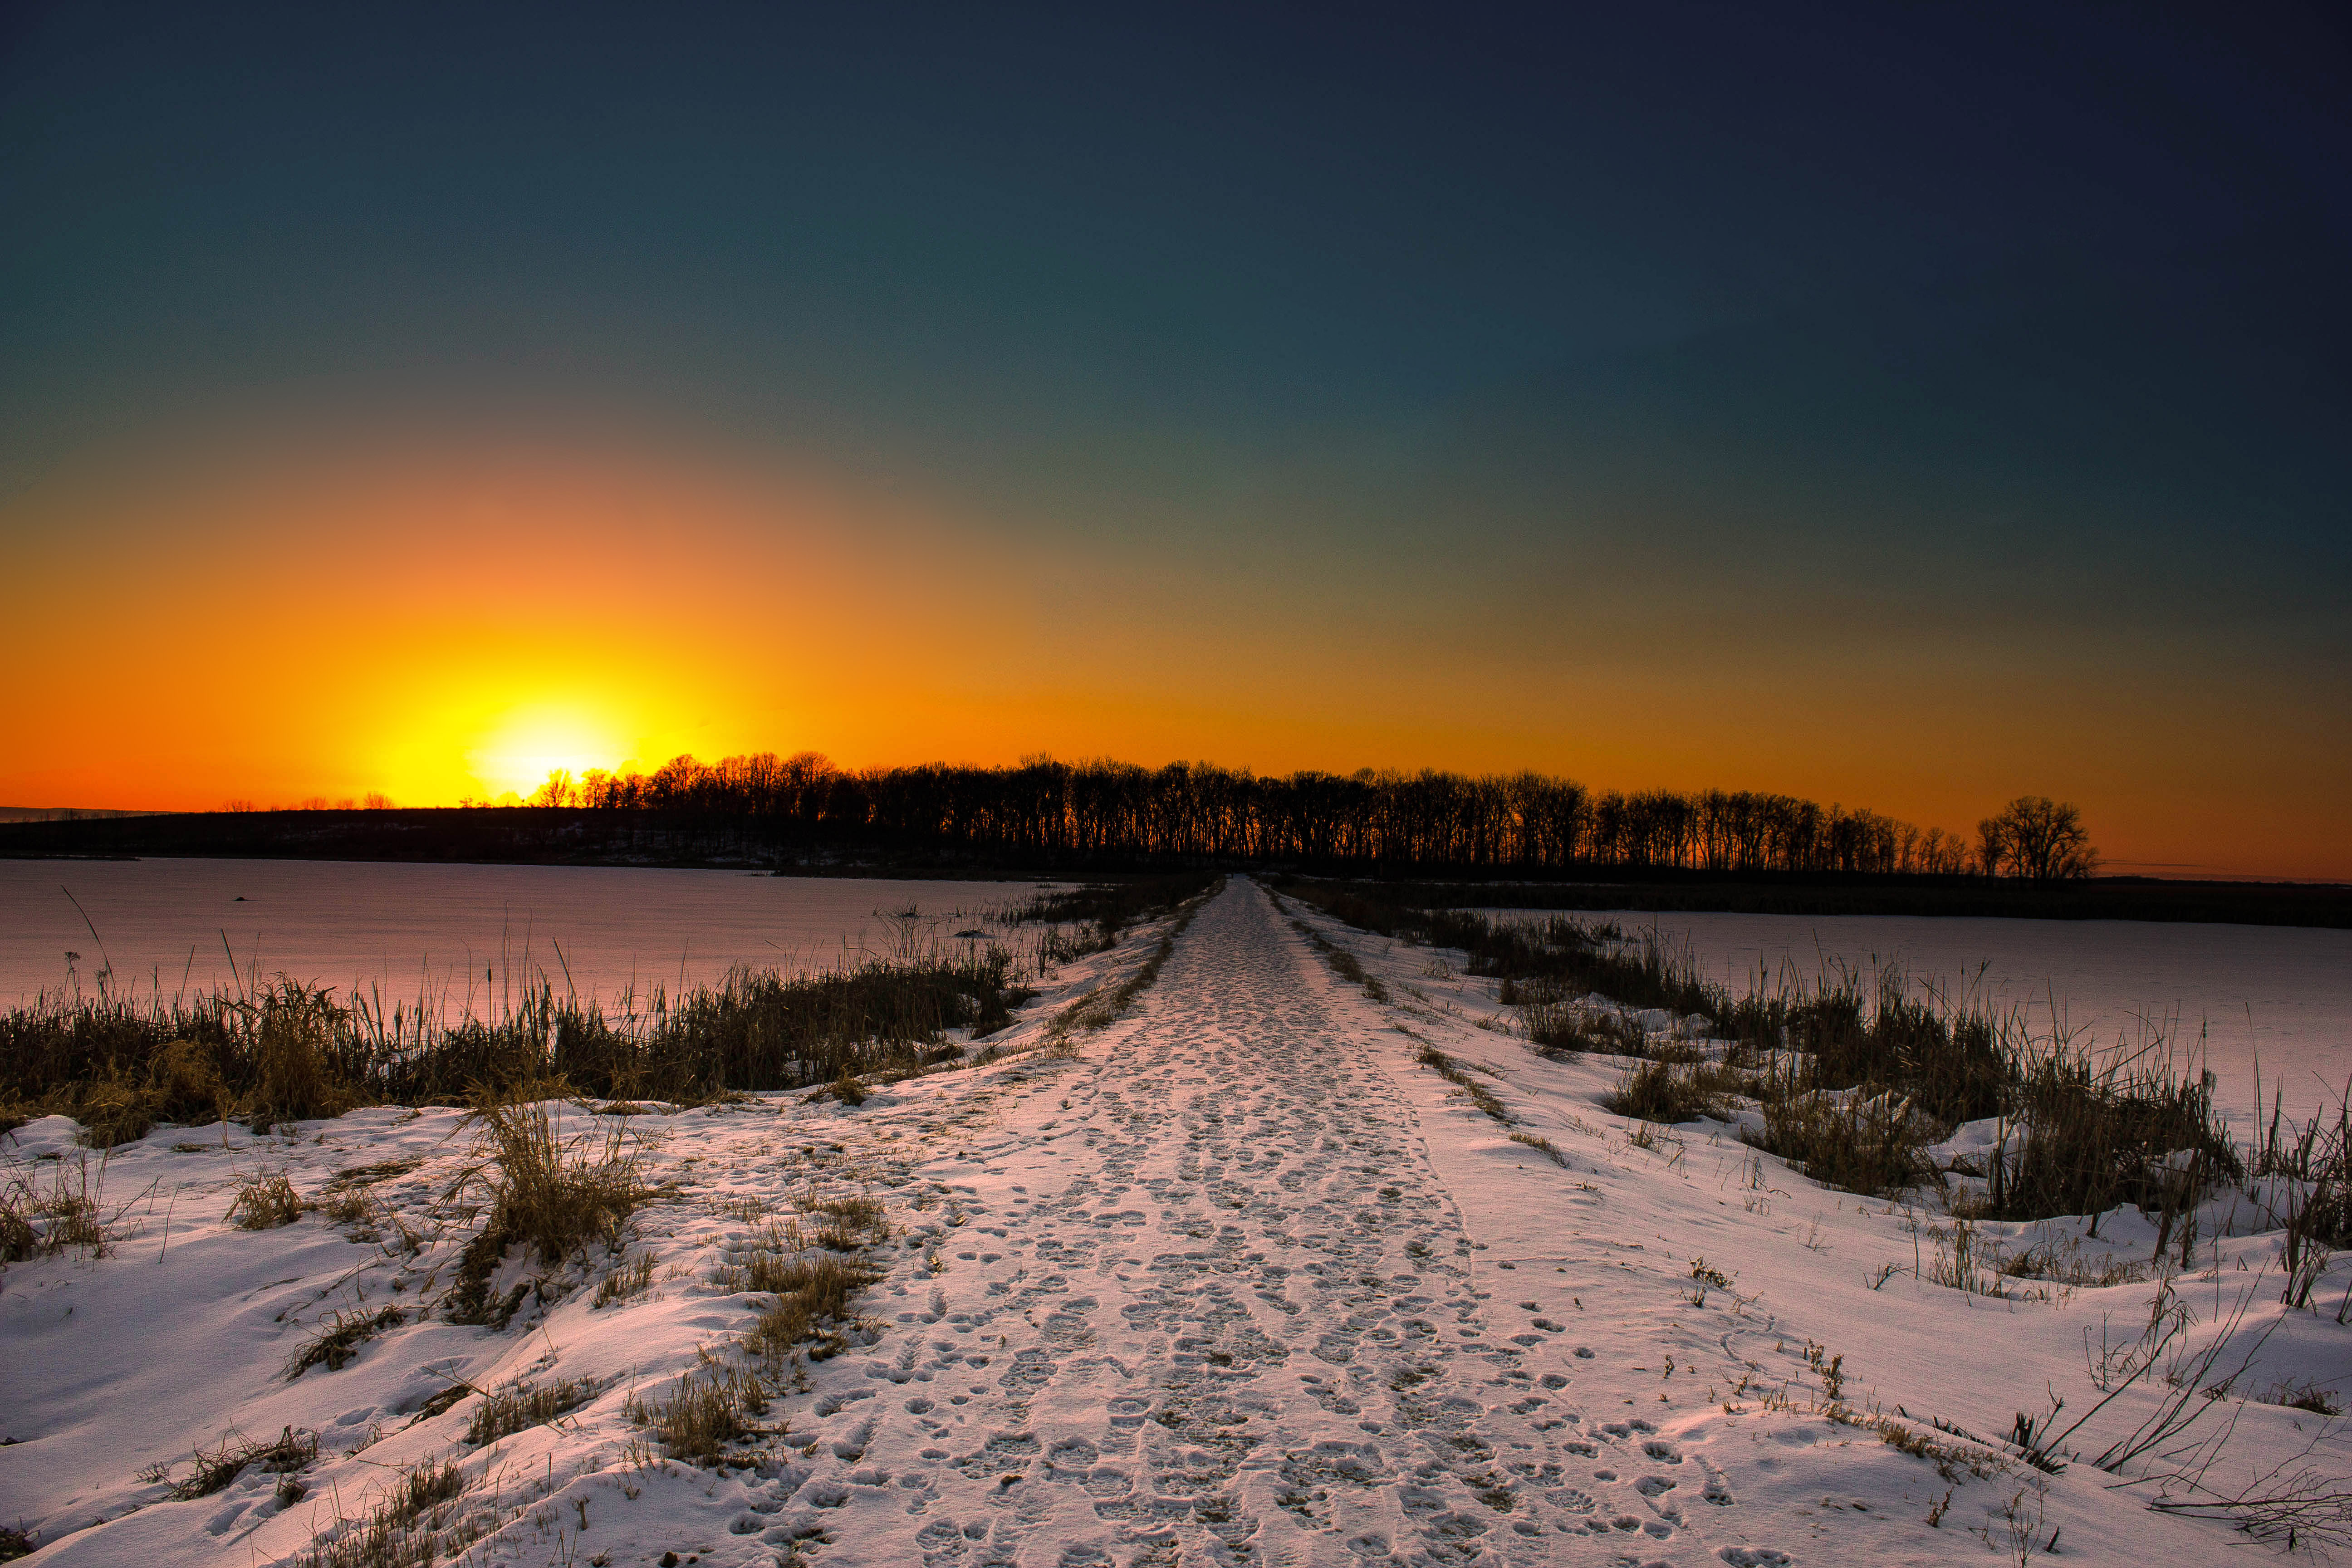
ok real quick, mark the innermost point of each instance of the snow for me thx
(1236, 1279)
(479, 933)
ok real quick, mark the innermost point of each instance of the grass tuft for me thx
(1864, 1144)
(708, 1409)
(546, 1193)
(1550, 1148)
(339, 1339)
(520, 1407)
(1669, 1092)
(1451, 1071)
(67, 1217)
(421, 1520)
(812, 1286)
(213, 1470)
(264, 1201)
(627, 1281)
(295, 1078)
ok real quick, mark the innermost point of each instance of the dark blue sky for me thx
(1966, 317)
(2058, 229)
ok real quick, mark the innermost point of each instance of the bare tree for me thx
(2037, 838)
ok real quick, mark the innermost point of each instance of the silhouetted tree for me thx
(2037, 838)
(1106, 812)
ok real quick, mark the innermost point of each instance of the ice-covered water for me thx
(2229, 990)
(476, 933)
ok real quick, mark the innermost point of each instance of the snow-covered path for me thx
(1226, 1312)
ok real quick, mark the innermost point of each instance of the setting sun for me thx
(527, 743)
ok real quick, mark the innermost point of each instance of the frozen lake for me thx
(475, 934)
(2229, 991)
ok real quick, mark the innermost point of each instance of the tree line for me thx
(1106, 812)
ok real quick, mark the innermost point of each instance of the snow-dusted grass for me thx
(1854, 1076)
(2238, 996)
(1236, 1277)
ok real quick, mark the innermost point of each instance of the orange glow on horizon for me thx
(438, 621)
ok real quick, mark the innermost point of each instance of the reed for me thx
(284, 1052)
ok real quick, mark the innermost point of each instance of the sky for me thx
(1908, 408)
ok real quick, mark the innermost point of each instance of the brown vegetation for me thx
(546, 1192)
(213, 1469)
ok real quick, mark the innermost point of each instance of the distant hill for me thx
(62, 813)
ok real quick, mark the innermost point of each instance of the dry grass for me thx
(627, 1281)
(1099, 1007)
(850, 1224)
(758, 1263)
(353, 1208)
(119, 1104)
(1559, 1022)
(546, 1193)
(340, 1338)
(1550, 1149)
(286, 1052)
(114, 1113)
(708, 1409)
(1451, 1071)
(2061, 1262)
(1669, 1092)
(813, 1287)
(420, 1521)
(1551, 959)
(69, 1216)
(295, 1079)
(1871, 1144)
(1345, 964)
(264, 1201)
(520, 1407)
(368, 1175)
(1835, 1055)
(213, 1469)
